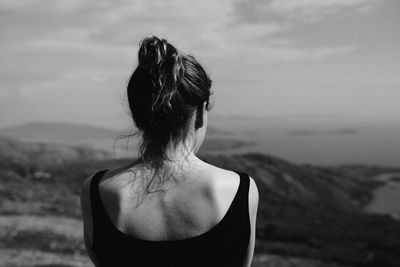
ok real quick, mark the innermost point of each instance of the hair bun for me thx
(162, 62)
(154, 52)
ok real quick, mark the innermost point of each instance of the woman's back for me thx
(190, 204)
(169, 208)
(202, 221)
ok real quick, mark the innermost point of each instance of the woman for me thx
(169, 208)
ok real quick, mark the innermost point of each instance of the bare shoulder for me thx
(85, 190)
(230, 179)
(230, 176)
(223, 177)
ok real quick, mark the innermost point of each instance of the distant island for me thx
(344, 131)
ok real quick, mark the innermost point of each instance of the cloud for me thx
(279, 54)
(310, 10)
(306, 11)
(53, 49)
(61, 45)
(91, 31)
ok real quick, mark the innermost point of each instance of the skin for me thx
(198, 188)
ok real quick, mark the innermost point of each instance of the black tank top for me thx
(225, 244)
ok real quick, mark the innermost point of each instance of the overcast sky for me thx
(70, 60)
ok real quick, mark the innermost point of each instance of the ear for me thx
(201, 116)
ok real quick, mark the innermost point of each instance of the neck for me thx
(181, 155)
(178, 158)
(180, 161)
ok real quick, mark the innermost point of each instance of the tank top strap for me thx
(239, 219)
(243, 192)
(98, 212)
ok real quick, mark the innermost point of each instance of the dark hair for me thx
(164, 91)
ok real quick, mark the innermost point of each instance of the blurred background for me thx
(306, 100)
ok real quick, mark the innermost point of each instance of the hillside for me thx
(63, 135)
(308, 215)
(317, 212)
(47, 131)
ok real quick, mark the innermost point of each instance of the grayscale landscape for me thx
(309, 214)
(304, 98)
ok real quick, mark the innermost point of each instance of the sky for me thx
(70, 60)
